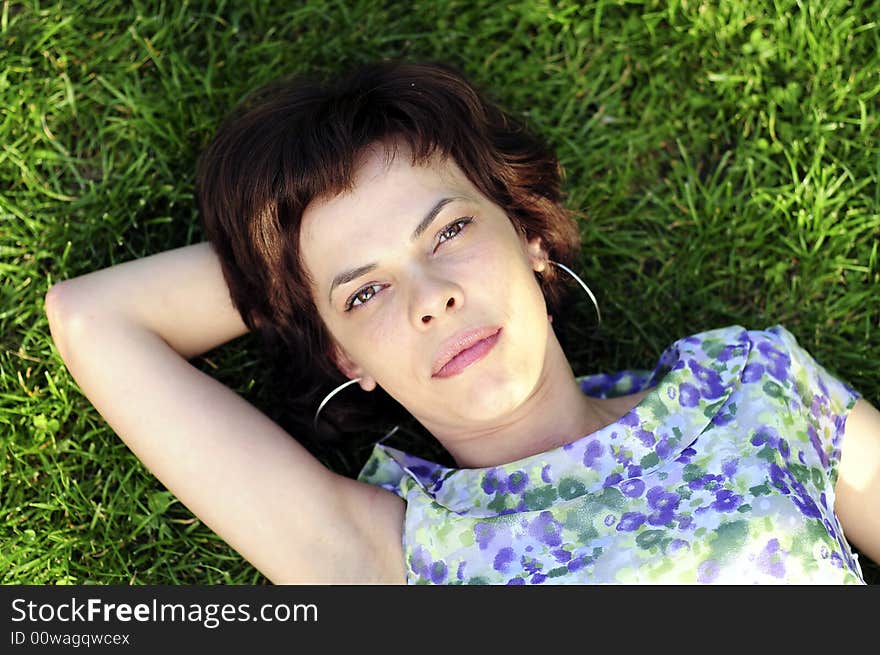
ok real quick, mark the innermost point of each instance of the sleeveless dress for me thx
(723, 473)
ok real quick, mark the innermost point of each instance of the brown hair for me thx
(299, 139)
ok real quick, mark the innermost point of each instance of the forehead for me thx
(383, 180)
(389, 196)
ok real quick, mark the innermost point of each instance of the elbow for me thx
(63, 320)
(52, 300)
(52, 305)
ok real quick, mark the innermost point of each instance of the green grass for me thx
(724, 155)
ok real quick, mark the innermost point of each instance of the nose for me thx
(432, 298)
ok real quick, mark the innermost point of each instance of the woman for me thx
(399, 230)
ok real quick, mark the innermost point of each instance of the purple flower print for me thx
(503, 559)
(545, 474)
(765, 434)
(421, 471)
(631, 521)
(708, 571)
(712, 387)
(495, 481)
(707, 481)
(696, 483)
(420, 561)
(727, 353)
(712, 481)
(647, 438)
(516, 581)
(805, 503)
(777, 477)
(831, 529)
(609, 520)
(688, 395)
(538, 578)
(726, 501)
(676, 545)
(438, 571)
(612, 479)
(546, 529)
(662, 517)
(632, 488)
(530, 565)
(579, 562)
(752, 373)
(665, 504)
(460, 573)
(686, 455)
(770, 559)
(783, 448)
(561, 555)
(592, 452)
(630, 419)
(517, 481)
(778, 362)
(817, 445)
(483, 533)
(633, 471)
(816, 407)
(728, 468)
(662, 449)
(660, 499)
(722, 418)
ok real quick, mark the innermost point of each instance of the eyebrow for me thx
(347, 276)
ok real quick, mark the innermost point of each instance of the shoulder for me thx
(857, 491)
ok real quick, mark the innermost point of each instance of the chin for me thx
(492, 399)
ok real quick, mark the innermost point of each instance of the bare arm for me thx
(857, 493)
(125, 333)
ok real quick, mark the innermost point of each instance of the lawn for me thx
(723, 158)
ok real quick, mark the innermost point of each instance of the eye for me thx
(453, 229)
(362, 296)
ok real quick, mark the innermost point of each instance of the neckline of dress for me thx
(632, 434)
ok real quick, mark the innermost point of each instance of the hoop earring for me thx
(583, 285)
(333, 393)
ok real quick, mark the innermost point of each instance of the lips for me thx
(464, 349)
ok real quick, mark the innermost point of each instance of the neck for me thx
(556, 413)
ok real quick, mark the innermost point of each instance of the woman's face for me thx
(410, 267)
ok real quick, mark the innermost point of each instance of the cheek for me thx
(375, 341)
(491, 263)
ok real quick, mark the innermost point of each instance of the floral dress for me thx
(723, 473)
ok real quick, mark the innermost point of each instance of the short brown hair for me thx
(298, 139)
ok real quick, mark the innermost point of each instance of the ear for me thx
(537, 255)
(350, 369)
